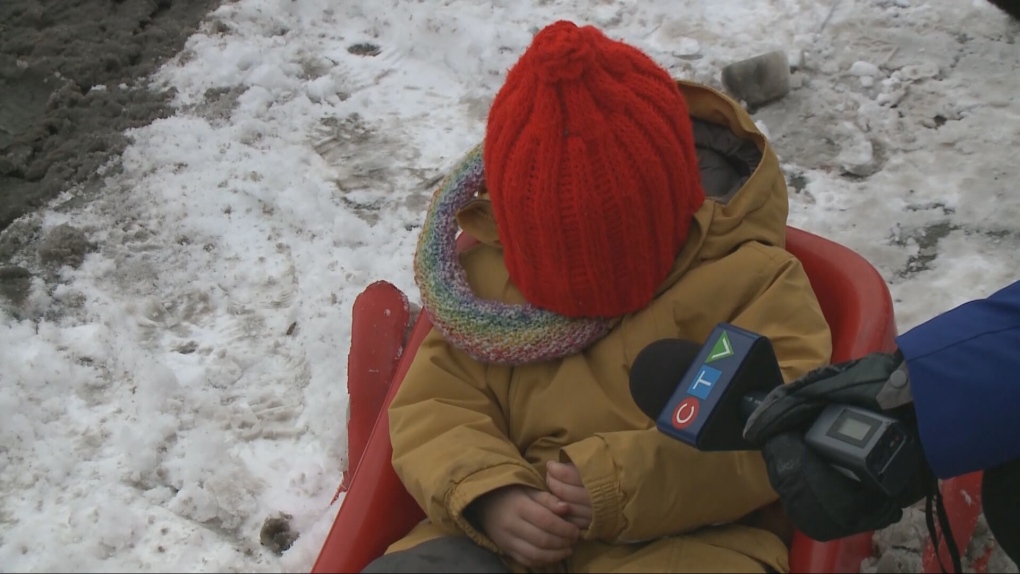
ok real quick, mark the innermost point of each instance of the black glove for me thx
(822, 502)
(796, 405)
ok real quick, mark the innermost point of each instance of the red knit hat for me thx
(590, 165)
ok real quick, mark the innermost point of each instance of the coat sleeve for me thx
(645, 485)
(963, 368)
(449, 437)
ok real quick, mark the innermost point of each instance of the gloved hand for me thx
(822, 502)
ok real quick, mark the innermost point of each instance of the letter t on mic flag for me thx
(699, 394)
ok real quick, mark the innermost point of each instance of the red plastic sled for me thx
(378, 511)
(379, 320)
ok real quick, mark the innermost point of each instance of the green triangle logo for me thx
(721, 349)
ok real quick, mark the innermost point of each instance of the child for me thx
(514, 428)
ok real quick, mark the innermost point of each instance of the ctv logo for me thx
(702, 384)
(722, 349)
(685, 413)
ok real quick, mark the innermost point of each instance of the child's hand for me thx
(527, 525)
(564, 480)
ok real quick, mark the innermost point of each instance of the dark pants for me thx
(1011, 7)
(448, 554)
(1000, 498)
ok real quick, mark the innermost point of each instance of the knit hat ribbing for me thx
(590, 164)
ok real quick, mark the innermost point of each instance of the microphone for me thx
(702, 395)
(707, 406)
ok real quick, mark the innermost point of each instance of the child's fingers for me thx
(550, 501)
(568, 493)
(567, 473)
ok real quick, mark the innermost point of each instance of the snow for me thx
(187, 381)
(861, 68)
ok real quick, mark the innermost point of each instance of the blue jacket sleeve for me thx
(965, 378)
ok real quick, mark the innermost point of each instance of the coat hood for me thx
(746, 195)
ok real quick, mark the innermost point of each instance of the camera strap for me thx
(934, 497)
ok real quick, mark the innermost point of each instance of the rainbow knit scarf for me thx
(490, 331)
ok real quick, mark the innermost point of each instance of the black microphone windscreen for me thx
(657, 370)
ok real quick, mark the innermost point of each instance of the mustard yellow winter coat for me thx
(461, 428)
